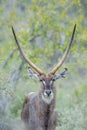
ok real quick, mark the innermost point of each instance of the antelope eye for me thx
(43, 81)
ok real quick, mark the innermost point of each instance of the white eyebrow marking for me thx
(44, 82)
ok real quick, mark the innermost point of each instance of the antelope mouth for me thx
(47, 98)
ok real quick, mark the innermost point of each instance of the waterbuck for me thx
(38, 112)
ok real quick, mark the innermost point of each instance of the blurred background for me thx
(43, 28)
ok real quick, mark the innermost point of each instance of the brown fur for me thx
(36, 114)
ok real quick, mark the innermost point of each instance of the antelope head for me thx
(47, 80)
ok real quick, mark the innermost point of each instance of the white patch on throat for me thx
(47, 99)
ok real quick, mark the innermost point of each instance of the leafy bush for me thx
(43, 29)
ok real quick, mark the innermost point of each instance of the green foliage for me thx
(43, 29)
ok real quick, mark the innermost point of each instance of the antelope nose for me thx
(48, 92)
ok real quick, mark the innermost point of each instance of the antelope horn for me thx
(34, 67)
(65, 54)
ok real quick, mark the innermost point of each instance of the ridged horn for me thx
(33, 66)
(65, 53)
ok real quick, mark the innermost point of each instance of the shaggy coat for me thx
(37, 114)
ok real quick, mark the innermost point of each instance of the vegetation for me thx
(43, 29)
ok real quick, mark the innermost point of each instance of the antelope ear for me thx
(32, 74)
(61, 75)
